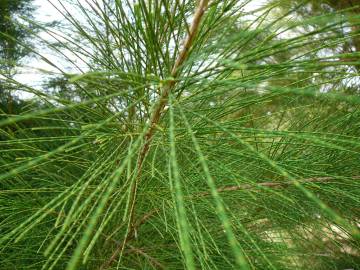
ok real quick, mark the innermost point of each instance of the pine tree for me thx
(199, 136)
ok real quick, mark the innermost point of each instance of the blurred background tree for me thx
(14, 46)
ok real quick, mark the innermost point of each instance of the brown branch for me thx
(154, 120)
(272, 184)
(171, 83)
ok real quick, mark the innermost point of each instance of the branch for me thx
(171, 83)
(273, 184)
(155, 118)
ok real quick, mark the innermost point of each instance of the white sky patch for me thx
(254, 5)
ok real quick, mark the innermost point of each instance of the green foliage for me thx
(201, 136)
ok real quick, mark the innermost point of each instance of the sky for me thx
(46, 13)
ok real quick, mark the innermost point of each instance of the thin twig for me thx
(151, 259)
(128, 237)
(272, 184)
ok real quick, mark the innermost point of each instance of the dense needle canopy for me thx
(186, 135)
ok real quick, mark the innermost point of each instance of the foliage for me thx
(13, 36)
(200, 136)
(13, 41)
